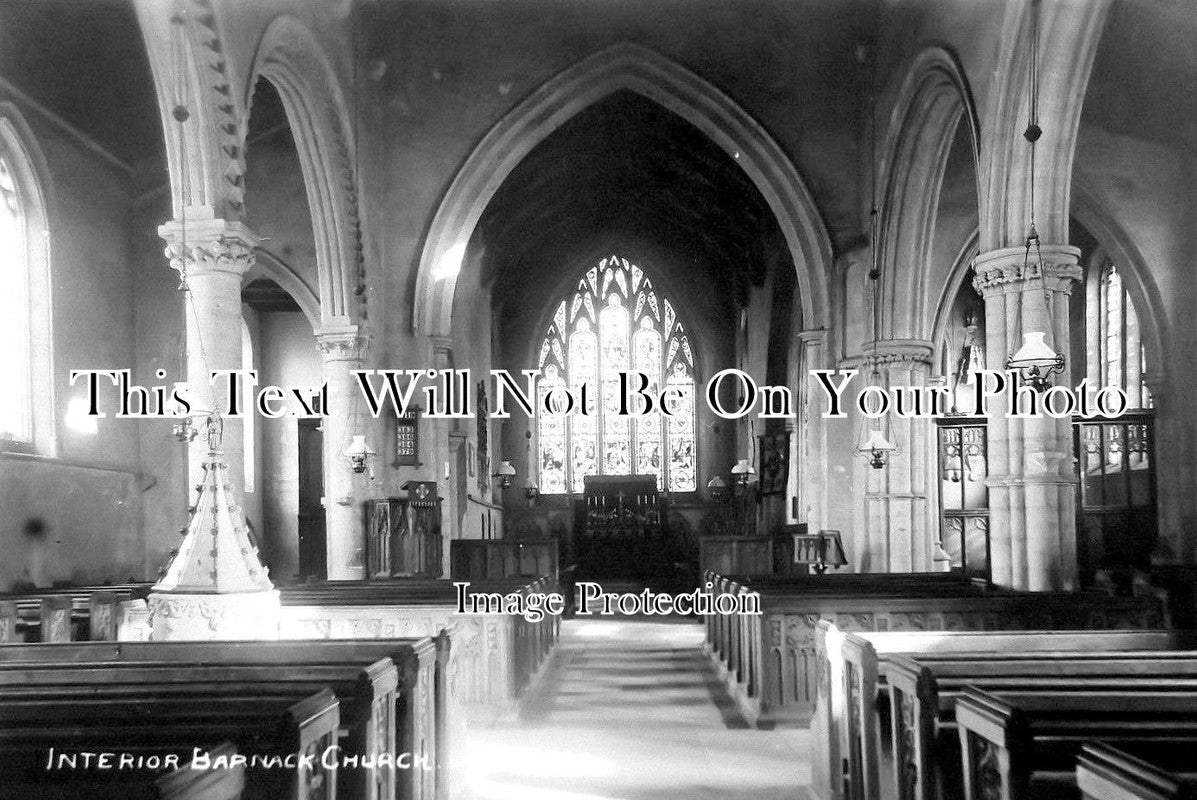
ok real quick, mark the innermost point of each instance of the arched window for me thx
(1120, 354)
(615, 321)
(1117, 524)
(26, 408)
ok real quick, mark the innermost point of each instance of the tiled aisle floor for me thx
(632, 710)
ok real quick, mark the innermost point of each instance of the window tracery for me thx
(615, 321)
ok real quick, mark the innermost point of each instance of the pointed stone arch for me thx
(933, 100)
(269, 266)
(1133, 269)
(623, 66)
(291, 59)
(950, 290)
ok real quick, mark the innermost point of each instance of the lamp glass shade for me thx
(505, 470)
(742, 467)
(877, 443)
(198, 406)
(716, 483)
(358, 447)
(1035, 352)
(833, 549)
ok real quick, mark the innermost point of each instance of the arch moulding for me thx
(933, 101)
(290, 58)
(190, 69)
(1133, 270)
(635, 68)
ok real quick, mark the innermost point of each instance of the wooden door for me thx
(313, 552)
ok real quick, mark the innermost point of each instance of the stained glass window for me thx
(614, 321)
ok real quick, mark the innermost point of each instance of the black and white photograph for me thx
(598, 399)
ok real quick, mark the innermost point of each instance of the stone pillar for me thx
(809, 465)
(1168, 448)
(898, 514)
(341, 347)
(211, 256)
(447, 436)
(1032, 480)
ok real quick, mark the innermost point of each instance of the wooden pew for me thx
(1019, 745)
(161, 721)
(496, 656)
(420, 715)
(84, 602)
(367, 695)
(1107, 773)
(857, 667)
(768, 664)
(923, 696)
(769, 660)
(149, 783)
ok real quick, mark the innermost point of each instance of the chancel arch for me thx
(631, 67)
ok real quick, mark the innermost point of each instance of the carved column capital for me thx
(815, 337)
(909, 353)
(342, 342)
(209, 245)
(1053, 266)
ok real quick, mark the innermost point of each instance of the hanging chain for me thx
(214, 426)
(1032, 134)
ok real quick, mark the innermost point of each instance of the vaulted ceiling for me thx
(627, 173)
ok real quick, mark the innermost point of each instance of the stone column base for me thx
(214, 617)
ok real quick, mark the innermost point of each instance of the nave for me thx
(631, 709)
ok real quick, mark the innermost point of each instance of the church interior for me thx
(723, 196)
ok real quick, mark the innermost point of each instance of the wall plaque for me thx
(407, 438)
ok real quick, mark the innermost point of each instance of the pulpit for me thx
(403, 534)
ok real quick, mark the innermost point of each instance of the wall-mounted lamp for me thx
(831, 552)
(742, 472)
(505, 475)
(1035, 361)
(717, 489)
(359, 454)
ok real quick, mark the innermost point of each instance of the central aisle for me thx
(632, 710)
